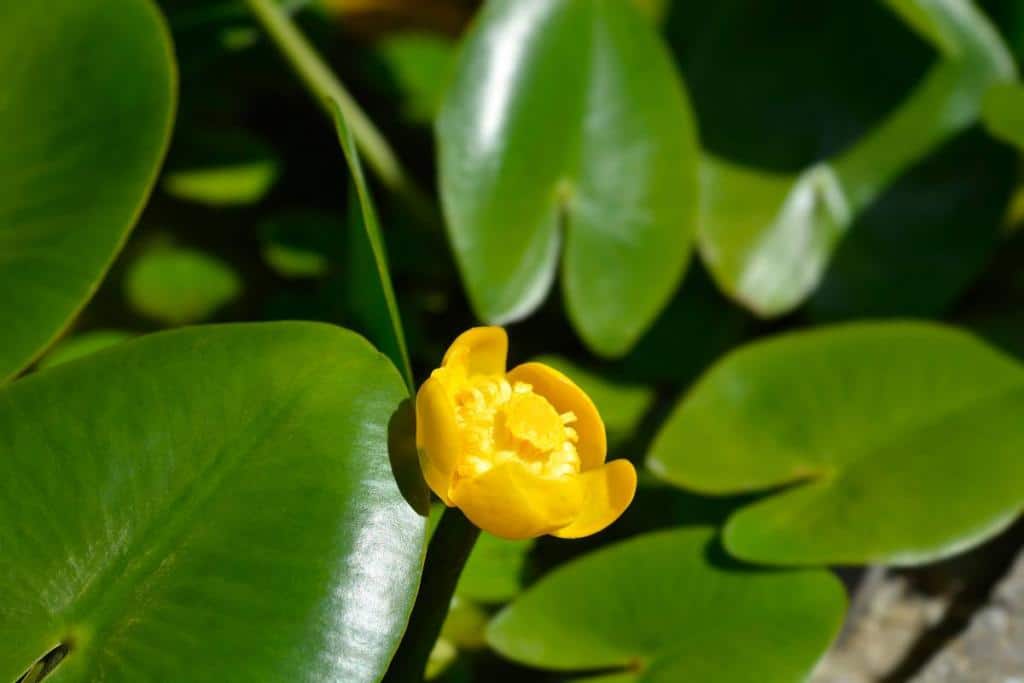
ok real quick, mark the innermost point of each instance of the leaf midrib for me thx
(104, 601)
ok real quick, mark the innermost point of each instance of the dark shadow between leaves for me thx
(405, 463)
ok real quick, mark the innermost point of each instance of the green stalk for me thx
(325, 86)
(446, 556)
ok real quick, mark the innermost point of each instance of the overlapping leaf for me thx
(902, 443)
(770, 249)
(668, 607)
(86, 108)
(568, 117)
(211, 503)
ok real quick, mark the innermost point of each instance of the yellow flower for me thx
(521, 453)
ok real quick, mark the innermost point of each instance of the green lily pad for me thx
(901, 443)
(214, 503)
(86, 109)
(569, 115)
(83, 344)
(669, 607)
(770, 250)
(176, 285)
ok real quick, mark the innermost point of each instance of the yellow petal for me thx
(565, 396)
(607, 492)
(479, 351)
(511, 502)
(437, 437)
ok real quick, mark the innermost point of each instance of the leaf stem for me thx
(446, 556)
(325, 86)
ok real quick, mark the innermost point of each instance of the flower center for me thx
(500, 422)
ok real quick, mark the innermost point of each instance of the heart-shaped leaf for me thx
(213, 503)
(768, 237)
(86, 109)
(903, 441)
(671, 606)
(569, 112)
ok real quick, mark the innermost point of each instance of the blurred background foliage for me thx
(254, 218)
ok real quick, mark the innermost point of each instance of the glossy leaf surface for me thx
(213, 503)
(671, 606)
(566, 130)
(86, 109)
(902, 443)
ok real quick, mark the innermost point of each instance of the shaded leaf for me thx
(770, 250)
(930, 234)
(1003, 112)
(87, 113)
(901, 442)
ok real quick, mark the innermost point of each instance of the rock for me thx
(991, 650)
(887, 617)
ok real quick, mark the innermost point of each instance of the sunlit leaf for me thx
(671, 606)
(902, 443)
(569, 118)
(86, 109)
(213, 503)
